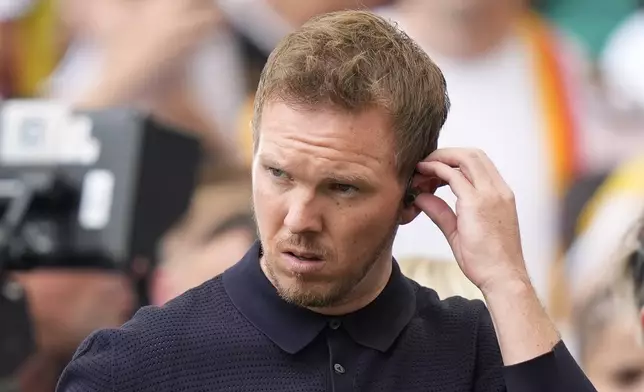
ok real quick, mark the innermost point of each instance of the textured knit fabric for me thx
(227, 336)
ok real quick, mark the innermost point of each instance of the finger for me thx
(427, 184)
(440, 213)
(494, 173)
(472, 163)
(460, 185)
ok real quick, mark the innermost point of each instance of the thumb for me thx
(439, 212)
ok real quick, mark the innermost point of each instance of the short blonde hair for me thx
(446, 278)
(353, 61)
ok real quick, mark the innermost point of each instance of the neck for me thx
(360, 297)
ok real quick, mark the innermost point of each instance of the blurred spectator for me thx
(608, 320)
(216, 232)
(174, 59)
(445, 278)
(514, 85)
(610, 343)
(65, 307)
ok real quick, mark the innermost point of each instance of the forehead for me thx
(328, 137)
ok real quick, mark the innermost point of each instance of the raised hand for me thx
(483, 232)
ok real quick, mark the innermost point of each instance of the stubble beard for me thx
(304, 293)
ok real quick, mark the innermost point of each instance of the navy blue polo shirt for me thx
(234, 333)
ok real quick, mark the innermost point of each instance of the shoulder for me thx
(457, 329)
(194, 310)
(155, 340)
(461, 316)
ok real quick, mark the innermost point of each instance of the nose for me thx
(303, 215)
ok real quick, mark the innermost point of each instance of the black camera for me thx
(88, 188)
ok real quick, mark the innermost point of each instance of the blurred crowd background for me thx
(551, 90)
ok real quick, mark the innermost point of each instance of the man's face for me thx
(327, 200)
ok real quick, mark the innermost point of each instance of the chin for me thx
(311, 294)
(308, 298)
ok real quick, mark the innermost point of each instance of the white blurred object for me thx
(623, 59)
(11, 9)
(38, 132)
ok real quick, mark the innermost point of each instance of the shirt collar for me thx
(292, 327)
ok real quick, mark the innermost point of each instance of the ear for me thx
(418, 185)
(642, 318)
(409, 210)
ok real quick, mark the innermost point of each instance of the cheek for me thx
(363, 225)
(267, 204)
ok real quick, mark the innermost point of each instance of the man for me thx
(347, 111)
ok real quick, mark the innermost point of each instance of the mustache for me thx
(303, 243)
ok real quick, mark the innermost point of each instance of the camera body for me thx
(88, 188)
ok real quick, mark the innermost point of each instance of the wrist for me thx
(516, 285)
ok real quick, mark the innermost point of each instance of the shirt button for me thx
(334, 324)
(338, 368)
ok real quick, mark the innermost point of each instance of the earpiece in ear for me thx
(410, 197)
(411, 193)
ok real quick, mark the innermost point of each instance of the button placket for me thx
(342, 356)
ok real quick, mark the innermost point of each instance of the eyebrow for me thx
(348, 178)
(269, 159)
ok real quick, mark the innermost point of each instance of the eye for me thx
(277, 173)
(344, 188)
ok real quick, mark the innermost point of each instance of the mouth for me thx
(304, 262)
(304, 256)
